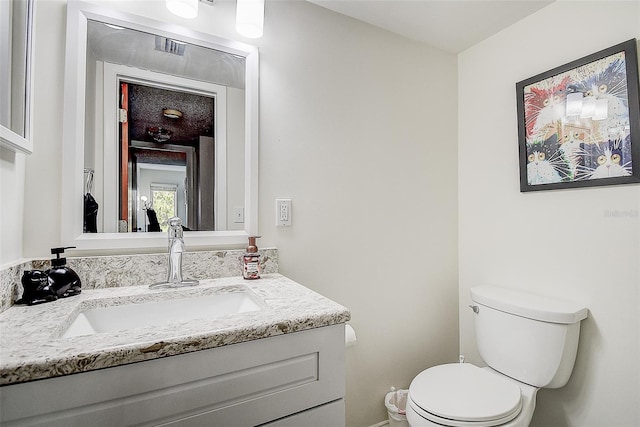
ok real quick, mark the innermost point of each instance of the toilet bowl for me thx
(528, 342)
(462, 394)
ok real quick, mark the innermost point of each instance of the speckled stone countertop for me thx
(31, 346)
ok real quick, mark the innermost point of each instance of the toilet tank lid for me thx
(525, 304)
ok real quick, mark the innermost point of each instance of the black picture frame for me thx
(579, 124)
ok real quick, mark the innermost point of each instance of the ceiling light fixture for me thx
(183, 8)
(171, 113)
(250, 18)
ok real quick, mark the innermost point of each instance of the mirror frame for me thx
(8, 138)
(78, 13)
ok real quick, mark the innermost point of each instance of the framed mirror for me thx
(16, 78)
(158, 119)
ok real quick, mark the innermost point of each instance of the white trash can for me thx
(396, 403)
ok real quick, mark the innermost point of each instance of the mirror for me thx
(158, 119)
(162, 104)
(16, 57)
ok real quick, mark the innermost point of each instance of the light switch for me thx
(238, 215)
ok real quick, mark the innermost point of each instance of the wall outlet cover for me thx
(283, 213)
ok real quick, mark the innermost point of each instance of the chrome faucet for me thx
(176, 248)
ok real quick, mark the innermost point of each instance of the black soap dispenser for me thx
(64, 281)
(36, 288)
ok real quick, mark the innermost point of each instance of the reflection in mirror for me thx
(16, 17)
(164, 102)
(167, 126)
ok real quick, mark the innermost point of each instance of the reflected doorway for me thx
(166, 157)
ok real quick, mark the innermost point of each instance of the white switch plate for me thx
(238, 215)
(283, 212)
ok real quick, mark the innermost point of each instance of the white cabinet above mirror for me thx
(156, 115)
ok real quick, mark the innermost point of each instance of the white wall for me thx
(562, 242)
(42, 212)
(12, 178)
(359, 127)
(235, 155)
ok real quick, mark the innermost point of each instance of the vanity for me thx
(279, 363)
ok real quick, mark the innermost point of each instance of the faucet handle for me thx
(175, 227)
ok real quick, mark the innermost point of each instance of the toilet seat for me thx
(461, 394)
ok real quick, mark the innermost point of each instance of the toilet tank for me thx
(529, 337)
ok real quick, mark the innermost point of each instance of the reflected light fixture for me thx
(250, 18)
(602, 109)
(183, 8)
(574, 104)
(588, 107)
(171, 113)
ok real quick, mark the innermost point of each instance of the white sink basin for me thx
(134, 316)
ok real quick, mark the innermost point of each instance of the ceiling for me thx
(450, 25)
(146, 51)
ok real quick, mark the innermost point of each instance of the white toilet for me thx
(528, 341)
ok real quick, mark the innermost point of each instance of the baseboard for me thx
(381, 424)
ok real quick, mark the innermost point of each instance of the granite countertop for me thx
(31, 346)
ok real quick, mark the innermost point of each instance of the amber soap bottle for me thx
(251, 260)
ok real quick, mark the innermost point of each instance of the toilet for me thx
(528, 342)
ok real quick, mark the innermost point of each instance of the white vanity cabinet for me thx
(295, 379)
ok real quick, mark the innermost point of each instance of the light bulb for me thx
(250, 18)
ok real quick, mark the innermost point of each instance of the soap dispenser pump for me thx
(64, 281)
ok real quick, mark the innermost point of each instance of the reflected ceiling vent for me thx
(164, 44)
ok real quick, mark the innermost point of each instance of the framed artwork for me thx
(579, 124)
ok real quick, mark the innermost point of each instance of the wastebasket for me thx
(396, 403)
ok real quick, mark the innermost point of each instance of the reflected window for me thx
(165, 202)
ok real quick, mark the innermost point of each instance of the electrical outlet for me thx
(283, 212)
